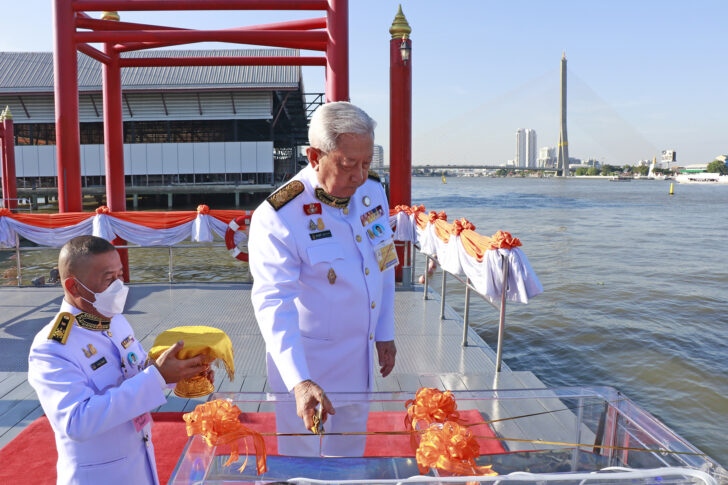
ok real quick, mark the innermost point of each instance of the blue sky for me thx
(643, 75)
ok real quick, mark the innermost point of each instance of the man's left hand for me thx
(387, 352)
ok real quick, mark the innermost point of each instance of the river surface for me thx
(634, 281)
(635, 284)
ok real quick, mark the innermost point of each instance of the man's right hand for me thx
(174, 369)
(308, 396)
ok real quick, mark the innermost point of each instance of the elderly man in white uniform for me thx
(91, 374)
(322, 258)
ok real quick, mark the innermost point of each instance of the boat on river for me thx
(704, 178)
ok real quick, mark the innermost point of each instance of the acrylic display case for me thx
(564, 435)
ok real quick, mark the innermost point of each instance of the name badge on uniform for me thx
(320, 235)
(98, 363)
(386, 255)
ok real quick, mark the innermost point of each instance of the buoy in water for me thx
(672, 192)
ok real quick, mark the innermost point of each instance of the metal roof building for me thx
(207, 107)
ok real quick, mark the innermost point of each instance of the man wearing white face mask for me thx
(92, 377)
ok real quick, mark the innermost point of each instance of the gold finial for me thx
(110, 16)
(7, 115)
(400, 27)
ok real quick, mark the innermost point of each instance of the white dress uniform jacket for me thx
(92, 400)
(319, 296)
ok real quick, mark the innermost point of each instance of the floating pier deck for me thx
(429, 353)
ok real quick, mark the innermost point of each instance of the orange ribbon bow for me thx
(452, 448)
(217, 421)
(103, 210)
(409, 210)
(461, 225)
(429, 406)
(504, 240)
(203, 209)
(5, 212)
(435, 216)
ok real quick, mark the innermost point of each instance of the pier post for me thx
(10, 191)
(135, 201)
(400, 120)
(68, 138)
(237, 199)
(169, 200)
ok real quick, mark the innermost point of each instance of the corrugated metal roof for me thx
(32, 72)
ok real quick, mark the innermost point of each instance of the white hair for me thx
(334, 119)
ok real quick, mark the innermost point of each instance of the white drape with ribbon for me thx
(486, 276)
(200, 229)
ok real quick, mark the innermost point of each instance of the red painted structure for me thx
(400, 121)
(7, 147)
(329, 35)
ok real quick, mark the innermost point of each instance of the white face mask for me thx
(109, 302)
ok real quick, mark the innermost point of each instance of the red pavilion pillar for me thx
(400, 120)
(114, 138)
(68, 139)
(337, 51)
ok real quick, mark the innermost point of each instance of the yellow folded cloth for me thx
(211, 342)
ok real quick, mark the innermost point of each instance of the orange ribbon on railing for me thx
(452, 448)
(102, 210)
(461, 225)
(203, 209)
(437, 216)
(217, 421)
(504, 240)
(409, 210)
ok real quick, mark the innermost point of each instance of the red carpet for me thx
(31, 457)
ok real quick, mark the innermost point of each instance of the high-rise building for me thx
(531, 148)
(526, 148)
(377, 158)
(521, 156)
(546, 157)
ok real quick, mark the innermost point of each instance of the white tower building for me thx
(521, 154)
(531, 148)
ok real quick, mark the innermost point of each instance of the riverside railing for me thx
(170, 275)
(408, 270)
(466, 308)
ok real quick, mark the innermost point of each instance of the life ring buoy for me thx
(237, 224)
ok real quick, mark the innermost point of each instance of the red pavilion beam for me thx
(87, 22)
(278, 38)
(93, 53)
(146, 5)
(221, 61)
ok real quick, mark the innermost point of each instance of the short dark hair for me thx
(77, 250)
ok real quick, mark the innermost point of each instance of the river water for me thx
(634, 287)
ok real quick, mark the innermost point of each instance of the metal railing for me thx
(170, 273)
(466, 308)
(22, 201)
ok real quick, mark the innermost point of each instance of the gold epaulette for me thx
(374, 176)
(62, 328)
(285, 194)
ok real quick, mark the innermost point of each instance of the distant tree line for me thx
(717, 166)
